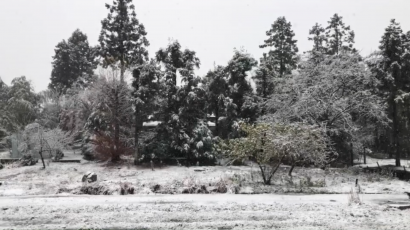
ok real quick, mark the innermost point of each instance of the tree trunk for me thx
(364, 155)
(138, 127)
(396, 134)
(263, 175)
(115, 153)
(291, 169)
(216, 120)
(41, 156)
(137, 156)
(122, 71)
(274, 171)
(351, 154)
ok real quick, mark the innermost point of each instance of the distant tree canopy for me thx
(73, 63)
(285, 108)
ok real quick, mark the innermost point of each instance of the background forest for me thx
(326, 105)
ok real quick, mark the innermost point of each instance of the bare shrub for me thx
(95, 189)
(307, 181)
(222, 185)
(126, 188)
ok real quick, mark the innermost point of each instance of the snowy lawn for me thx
(66, 178)
(205, 211)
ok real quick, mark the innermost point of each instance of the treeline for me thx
(357, 102)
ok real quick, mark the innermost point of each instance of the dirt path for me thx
(202, 212)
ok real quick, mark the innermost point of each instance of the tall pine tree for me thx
(339, 36)
(393, 70)
(122, 38)
(280, 37)
(319, 38)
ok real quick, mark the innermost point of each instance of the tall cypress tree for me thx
(283, 57)
(122, 38)
(339, 36)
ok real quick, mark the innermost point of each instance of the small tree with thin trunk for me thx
(270, 145)
(36, 138)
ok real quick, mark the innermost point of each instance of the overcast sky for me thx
(30, 29)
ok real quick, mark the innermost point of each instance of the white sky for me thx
(30, 29)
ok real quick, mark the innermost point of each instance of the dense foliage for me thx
(310, 108)
(74, 62)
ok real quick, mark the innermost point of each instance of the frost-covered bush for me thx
(336, 94)
(269, 145)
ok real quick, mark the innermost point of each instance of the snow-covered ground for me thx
(66, 177)
(31, 197)
(212, 211)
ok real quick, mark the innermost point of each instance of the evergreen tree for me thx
(6, 121)
(318, 37)
(122, 38)
(175, 61)
(216, 86)
(188, 128)
(184, 128)
(237, 70)
(174, 58)
(23, 103)
(283, 57)
(74, 62)
(392, 68)
(147, 86)
(339, 37)
(264, 79)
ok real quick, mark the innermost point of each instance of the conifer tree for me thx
(216, 86)
(238, 70)
(339, 36)
(281, 38)
(264, 79)
(146, 93)
(74, 62)
(122, 39)
(318, 37)
(392, 68)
